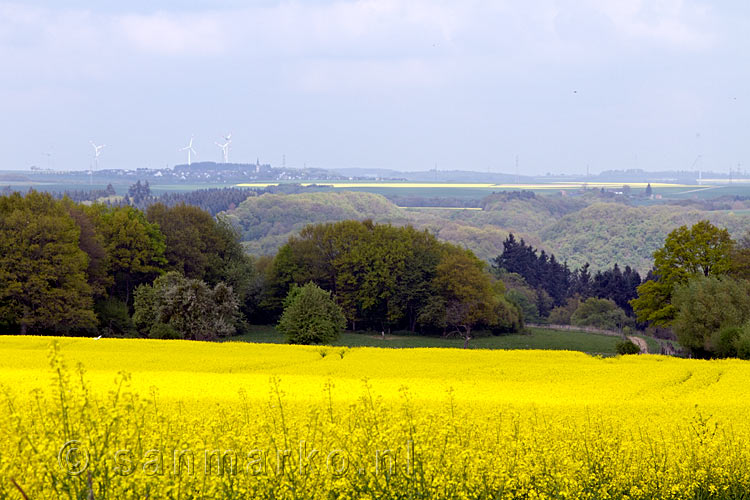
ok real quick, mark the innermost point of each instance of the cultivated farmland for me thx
(236, 420)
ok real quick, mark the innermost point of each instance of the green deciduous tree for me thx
(723, 342)
(135, 248)
(387, 277)
(92, 242)
(190, 239)
(206, 248)
(742, 344)
(740, 258)
(702, 250)
(380, 275)
(562, 315)
(706, 305)
(600, 313)
(311, 316)
(522, 295)
(462, 293)
(506, 317)
(189, 306)
(43, 286)
(627, 347)
(197, 245)
(114, 317)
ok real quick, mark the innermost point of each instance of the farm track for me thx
(640, 343)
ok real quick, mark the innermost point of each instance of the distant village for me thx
(210, 172)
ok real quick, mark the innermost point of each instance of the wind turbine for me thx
(225, 147)
(190, 151)
(97, 153)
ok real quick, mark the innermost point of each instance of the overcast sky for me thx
(404, 84)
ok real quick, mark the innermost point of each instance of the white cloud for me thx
(475, 61)
(364, 30)
(379, 76)
(174, 35)
(676, 23)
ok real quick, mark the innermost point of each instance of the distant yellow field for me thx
(433, 185)
(349, 185)
(433, 423)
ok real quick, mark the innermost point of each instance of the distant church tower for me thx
(257, 165)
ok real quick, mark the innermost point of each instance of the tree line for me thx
(67, 268)
(700, 288)
(212, 200)
(70, 268)
(386, 277)
(140, 195)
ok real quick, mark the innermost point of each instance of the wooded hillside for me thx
(575, 229)
(604, 233)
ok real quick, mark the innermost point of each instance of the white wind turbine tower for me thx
(190, 151)
(225, 147)
(97, 154)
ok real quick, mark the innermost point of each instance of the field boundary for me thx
(665, 346)
(572, 328)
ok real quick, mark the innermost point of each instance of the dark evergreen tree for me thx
(541, 271)
(555, 283)
(617, 286)
(581, 282)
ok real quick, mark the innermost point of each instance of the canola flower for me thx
(174, 419)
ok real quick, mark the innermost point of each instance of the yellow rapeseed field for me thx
(135, 419)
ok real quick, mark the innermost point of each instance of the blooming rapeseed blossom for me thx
(174, 419)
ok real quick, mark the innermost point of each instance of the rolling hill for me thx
(576, 230)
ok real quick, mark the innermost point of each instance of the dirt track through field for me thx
(640, 343)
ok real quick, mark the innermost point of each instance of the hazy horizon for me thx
(392, 84)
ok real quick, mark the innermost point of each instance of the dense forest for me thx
(178, 271)
(70, 268)
(387, 277)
